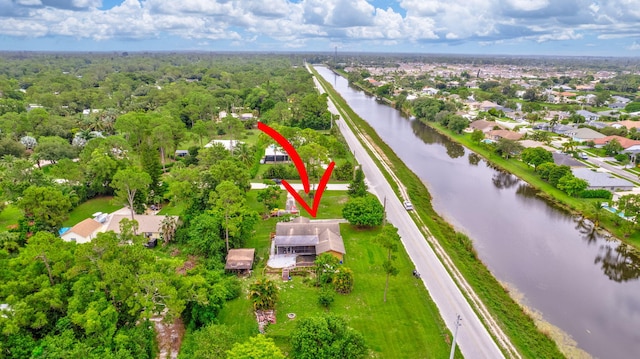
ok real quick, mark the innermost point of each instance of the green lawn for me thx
(408, 325)
(9, 216)
(86, 209)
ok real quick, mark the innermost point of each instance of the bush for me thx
(596, 193)
(325, 298)
(621, 157)
(344, 172)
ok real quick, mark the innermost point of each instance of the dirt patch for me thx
(189, 264)
(169, 336)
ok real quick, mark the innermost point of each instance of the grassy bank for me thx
(531, 343)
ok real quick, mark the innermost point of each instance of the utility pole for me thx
(384, 210)
(455, 334)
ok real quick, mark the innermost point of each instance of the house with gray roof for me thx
(602, 180)
(588, 115)
(586, 134)
(303, 236)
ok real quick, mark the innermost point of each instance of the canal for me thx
(578, 281)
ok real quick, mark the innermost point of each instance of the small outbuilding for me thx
(240, 259)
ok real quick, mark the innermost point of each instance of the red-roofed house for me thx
(506, 134)
(628, 124)
(628, 144)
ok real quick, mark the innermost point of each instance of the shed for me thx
(240, 259)
(181, 153)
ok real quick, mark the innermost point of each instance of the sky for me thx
(492, 27)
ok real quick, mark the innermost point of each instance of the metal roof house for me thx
(303, 236)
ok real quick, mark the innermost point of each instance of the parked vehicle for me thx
(407, 205)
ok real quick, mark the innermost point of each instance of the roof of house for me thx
(509, 135)
(85, 228)
(587, 134)
(563, 159)
(330, 241)
(240, 258)
(629, 124)
(625, 142)
(482, 125)
(587, 114)
(301, 231)
(146, 223)
(600, 179)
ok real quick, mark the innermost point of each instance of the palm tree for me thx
(263, 293)
(569, 146)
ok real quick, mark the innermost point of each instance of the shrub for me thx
(596, 193)
(326, 298)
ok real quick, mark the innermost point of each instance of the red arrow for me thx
(302, 170)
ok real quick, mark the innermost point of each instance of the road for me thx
(473, 338)
(615, 169)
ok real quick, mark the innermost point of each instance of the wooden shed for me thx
(240, 259)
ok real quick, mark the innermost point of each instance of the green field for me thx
(86, 209)
(9, 217)
(408, 325)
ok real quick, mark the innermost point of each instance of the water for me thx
(579, 281)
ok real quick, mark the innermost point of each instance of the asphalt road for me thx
(473, 338)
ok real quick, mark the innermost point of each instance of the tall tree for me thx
(127, 183)
(389, 239)
(229, 199)
(357, 187)
(47, 206)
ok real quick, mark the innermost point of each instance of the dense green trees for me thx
(326, 337)
(96, 298)
(536, 156)
(48, 207)
(363, 211)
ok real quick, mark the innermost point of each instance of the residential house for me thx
(506, 134)
(82, 232)
(148, 225)
(627, 144)
(483, 125)
(586, 134)
(303, 236)
(228, 144)
(627, 123)
(602, 180)
(588, 115)
(273, 154)
(564, 129)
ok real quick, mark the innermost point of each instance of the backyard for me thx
(408, 325)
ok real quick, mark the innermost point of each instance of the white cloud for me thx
(528, 5)
(304, 22)
(635, 46)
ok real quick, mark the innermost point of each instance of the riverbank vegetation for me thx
(530, 342)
